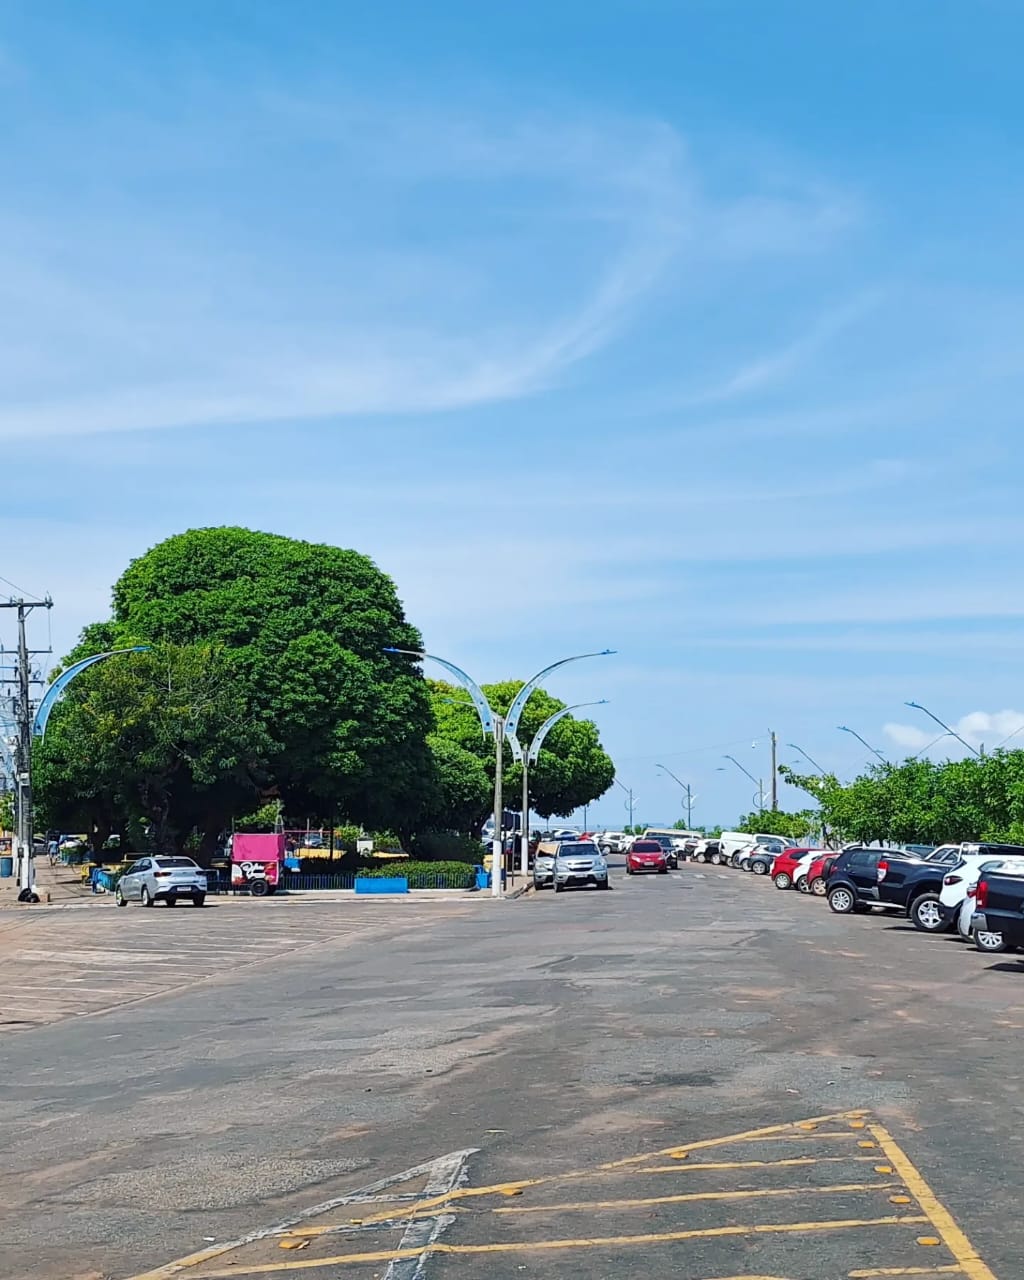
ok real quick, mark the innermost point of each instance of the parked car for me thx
(999, 911)
(963, 875)
(712, 852)
(817, 874)
(162, 878)
(544, 863)
(758, 858)
(784, 865)
(646, 855)
(862, 878)
(959, 895)
(613, 842)
(578, 862)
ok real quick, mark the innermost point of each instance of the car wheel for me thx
(259, 888)
(802, 886)
(926, 914)
(602, 884)
(967, 933)
(629, 871)
(172, 902)
(990, 942)
(819, 886)
(145, 898)
(842, 901)
(663, 871)
(715, 859)
(700, 857)
(783, 880)
(759, 867)
(199, 900)
(734, 861)
(119, 897)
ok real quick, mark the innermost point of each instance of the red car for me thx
(784, 865)
(646, 855)
(817, 874)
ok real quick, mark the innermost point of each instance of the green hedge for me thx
(425, 875)
(440, 846)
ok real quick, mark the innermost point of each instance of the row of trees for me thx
(266, 677)
(921, 802)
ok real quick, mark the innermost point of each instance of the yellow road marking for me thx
(941, 1219)
(872, 1272)
(583, 1242)
(792, 1162)
(764, 1193)
(774, 1132)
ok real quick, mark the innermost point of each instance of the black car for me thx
(862, 878)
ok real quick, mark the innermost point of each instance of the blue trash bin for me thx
(6, 866)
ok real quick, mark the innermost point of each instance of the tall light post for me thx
(689, 794)
(810, 760)
(529, 760)
(758, 782)
(853, 733)
(942, 725)
(490, 724)
(503, 728)
(629, 801)
(928, 747)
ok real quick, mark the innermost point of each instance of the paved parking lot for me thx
(691, 1075)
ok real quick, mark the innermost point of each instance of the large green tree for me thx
(572, 769)
(306, 626)
(159, 739)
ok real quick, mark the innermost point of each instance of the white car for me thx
(801, 869)
(613, 841)
(957, 896)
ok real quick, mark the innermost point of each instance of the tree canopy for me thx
(572, 768)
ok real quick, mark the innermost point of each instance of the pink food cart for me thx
(256, 861)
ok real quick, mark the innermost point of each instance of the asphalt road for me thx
(692, 1075)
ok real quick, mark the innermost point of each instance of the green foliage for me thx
(923, 802)
(440, 846)
(572, 769)
(6, 811)
(159, 738)
(265, 818)
(774, 822)
(424, 875)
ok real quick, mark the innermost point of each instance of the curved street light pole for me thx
(629, 801)
(689, 794)
(758, 782)
(490, 724)
(810, 760)
(853, 733)
(528, 762)
(942, 725)
(515, 711)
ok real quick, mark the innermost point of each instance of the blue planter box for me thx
(382, 884)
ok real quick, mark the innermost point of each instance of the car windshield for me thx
(174, 862)
(576, 850)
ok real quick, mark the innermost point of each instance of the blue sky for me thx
(693, 329)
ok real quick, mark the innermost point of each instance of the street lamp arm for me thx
(550, 722)
(942, 725)
(56, 690)
(673, 776)
(483, 707)
(853, 733)
(515, 711)
(754, 780)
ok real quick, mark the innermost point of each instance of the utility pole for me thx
(775, 770)
(689, 808)
(23, 712)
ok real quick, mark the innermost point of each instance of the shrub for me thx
(440, 846)
(425, 875)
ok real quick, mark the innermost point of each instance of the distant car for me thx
(759, 857)
(817, 874)
(613, 842)
(313, 840)
(784, 866)
(576, 863)
(162, 878)
(645, 856)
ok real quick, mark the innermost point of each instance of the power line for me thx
(14, 585)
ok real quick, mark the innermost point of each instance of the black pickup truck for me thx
(999, 908)
(861, 878)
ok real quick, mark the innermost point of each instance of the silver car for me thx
(580, 863)
(162, 878)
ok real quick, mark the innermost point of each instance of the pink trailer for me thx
(256, 861)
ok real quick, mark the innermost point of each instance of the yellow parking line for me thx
(771, 1133)
(762, 1194)
(792, 1162)
(955, 1269)
(940, 1217)
(583, 1242)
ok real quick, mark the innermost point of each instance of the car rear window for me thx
(647, 846)
(174, 862)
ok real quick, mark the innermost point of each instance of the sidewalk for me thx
(58, 885)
